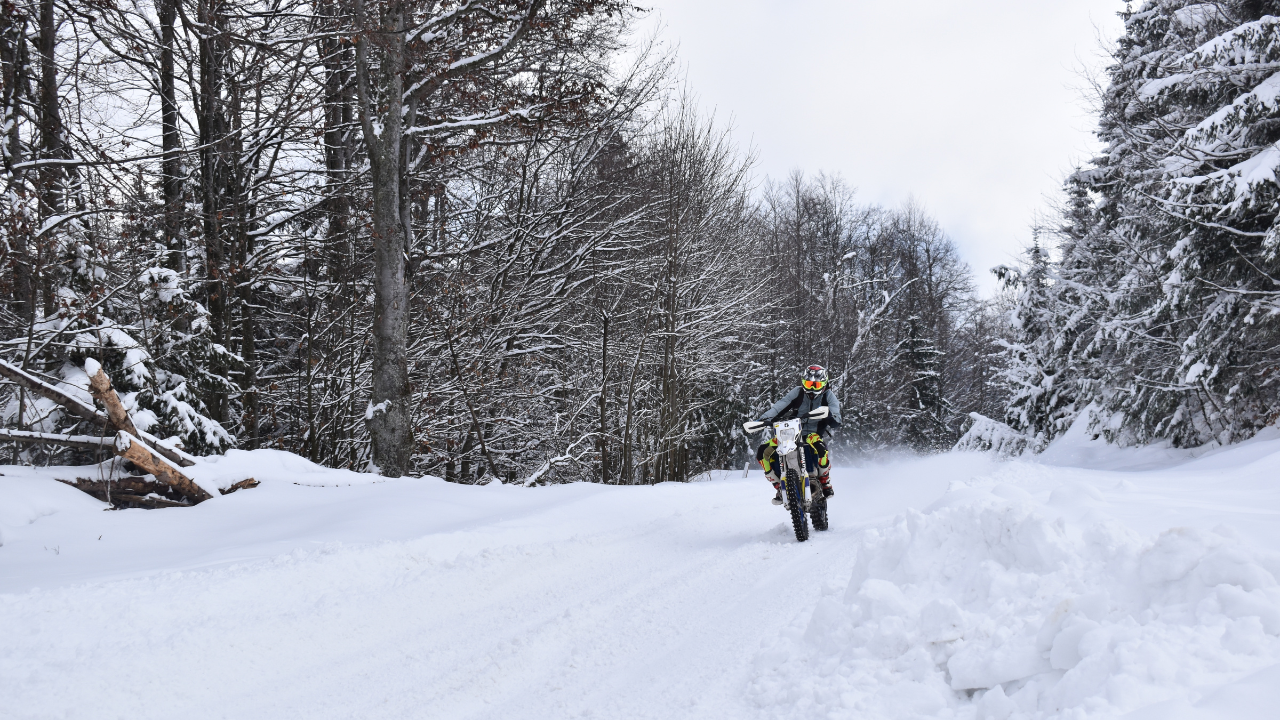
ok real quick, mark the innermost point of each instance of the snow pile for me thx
(987, 435)
(986, 607)
(272, 466)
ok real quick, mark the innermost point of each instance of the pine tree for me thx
(1161, 304)
(924, 412)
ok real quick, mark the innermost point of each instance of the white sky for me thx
(973, 107)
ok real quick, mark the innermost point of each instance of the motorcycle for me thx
(798, 482)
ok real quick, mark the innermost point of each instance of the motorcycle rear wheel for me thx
(795, 503)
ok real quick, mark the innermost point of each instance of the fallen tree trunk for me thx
(129, 492)
(173, 455)
(78, 408)
(139, 448)
(88, 442)
(134, 450)
(145, 501)
(100, 386)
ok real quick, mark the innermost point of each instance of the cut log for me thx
(135, 451)
(242, 485)
(88, 442)
(100, 386)
(130, 492)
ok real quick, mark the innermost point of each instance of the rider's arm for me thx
(833, 404)
(833, 420)
(780, 406)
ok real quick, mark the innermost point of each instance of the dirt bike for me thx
(797, 481)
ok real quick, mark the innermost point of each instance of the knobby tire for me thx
(818, 510)
(795, 503)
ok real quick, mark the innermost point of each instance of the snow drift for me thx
(986, 597)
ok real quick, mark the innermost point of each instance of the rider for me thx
(812, 394)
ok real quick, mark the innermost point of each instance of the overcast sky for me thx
(973, 107)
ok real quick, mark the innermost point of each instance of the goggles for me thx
(814, 385)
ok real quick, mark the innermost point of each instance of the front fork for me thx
(795, 460)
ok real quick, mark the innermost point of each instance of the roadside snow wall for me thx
(986, 607)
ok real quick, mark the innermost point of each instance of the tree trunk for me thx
(388, 416)
(670, 437)
(213, 160)
(243, 212)
(338, 122)
(100, 388)
(14, 60)
(170, 143)
(51, 201)
(603, 441)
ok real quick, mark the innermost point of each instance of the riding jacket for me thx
(798, 402)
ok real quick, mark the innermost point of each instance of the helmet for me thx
(814, 379)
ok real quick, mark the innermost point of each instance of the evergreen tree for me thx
(924, 411)
(1040, 403)
(1160, 311)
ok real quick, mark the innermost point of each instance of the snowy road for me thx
(1009, 596)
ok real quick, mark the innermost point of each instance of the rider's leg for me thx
(816, 452)
(767, 456)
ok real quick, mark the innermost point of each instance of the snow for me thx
(1086, 582)
(1251, 42)
(372, 409)
(1196, 17)
(987, 435)
(1259, 102)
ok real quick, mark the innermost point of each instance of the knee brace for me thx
(765, 455)
(814, 440)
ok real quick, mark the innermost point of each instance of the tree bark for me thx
(242, 485)
(604, 397)
(14, 60)
(21, 378)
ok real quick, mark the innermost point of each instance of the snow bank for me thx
(987, 606)
(272, 466)
(26, 499)
(987, 435)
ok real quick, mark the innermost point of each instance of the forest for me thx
(487, 239)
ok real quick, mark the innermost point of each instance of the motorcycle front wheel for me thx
(818, 510)
(795, 503)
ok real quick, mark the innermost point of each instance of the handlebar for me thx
(754, 426)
